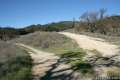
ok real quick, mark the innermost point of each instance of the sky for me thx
(21, 13)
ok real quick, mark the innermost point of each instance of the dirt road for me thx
(47, 66)
(90, 43)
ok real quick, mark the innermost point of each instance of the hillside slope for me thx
(48, 41)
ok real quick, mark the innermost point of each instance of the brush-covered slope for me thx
(49, 41)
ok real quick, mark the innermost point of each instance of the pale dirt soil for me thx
(90, 43)
(47, 66)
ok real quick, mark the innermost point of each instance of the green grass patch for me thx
(83, 67)
(75, 59)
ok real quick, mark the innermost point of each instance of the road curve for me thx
(47, 66)
(90, 43)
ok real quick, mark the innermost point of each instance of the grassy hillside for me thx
(58, 26)
(15, 64)
(48, 41)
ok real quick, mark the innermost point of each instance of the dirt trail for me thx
(90, 43)
(47, 66)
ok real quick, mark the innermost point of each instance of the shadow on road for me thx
(62, 74)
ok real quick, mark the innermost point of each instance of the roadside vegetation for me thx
(99, 22)
(15, 63)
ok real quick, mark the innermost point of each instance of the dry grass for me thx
(48, 41)
(9, 51)
(15, 63)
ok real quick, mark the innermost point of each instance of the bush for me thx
(8, 33)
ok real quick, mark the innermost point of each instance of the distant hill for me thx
(107, 26)
(58, 26)
(9, 33)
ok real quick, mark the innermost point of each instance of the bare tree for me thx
(102, 13)
(93, 16)
(85, 17)
(73, 23)
(89, 17)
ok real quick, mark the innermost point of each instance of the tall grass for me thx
(15, 64)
